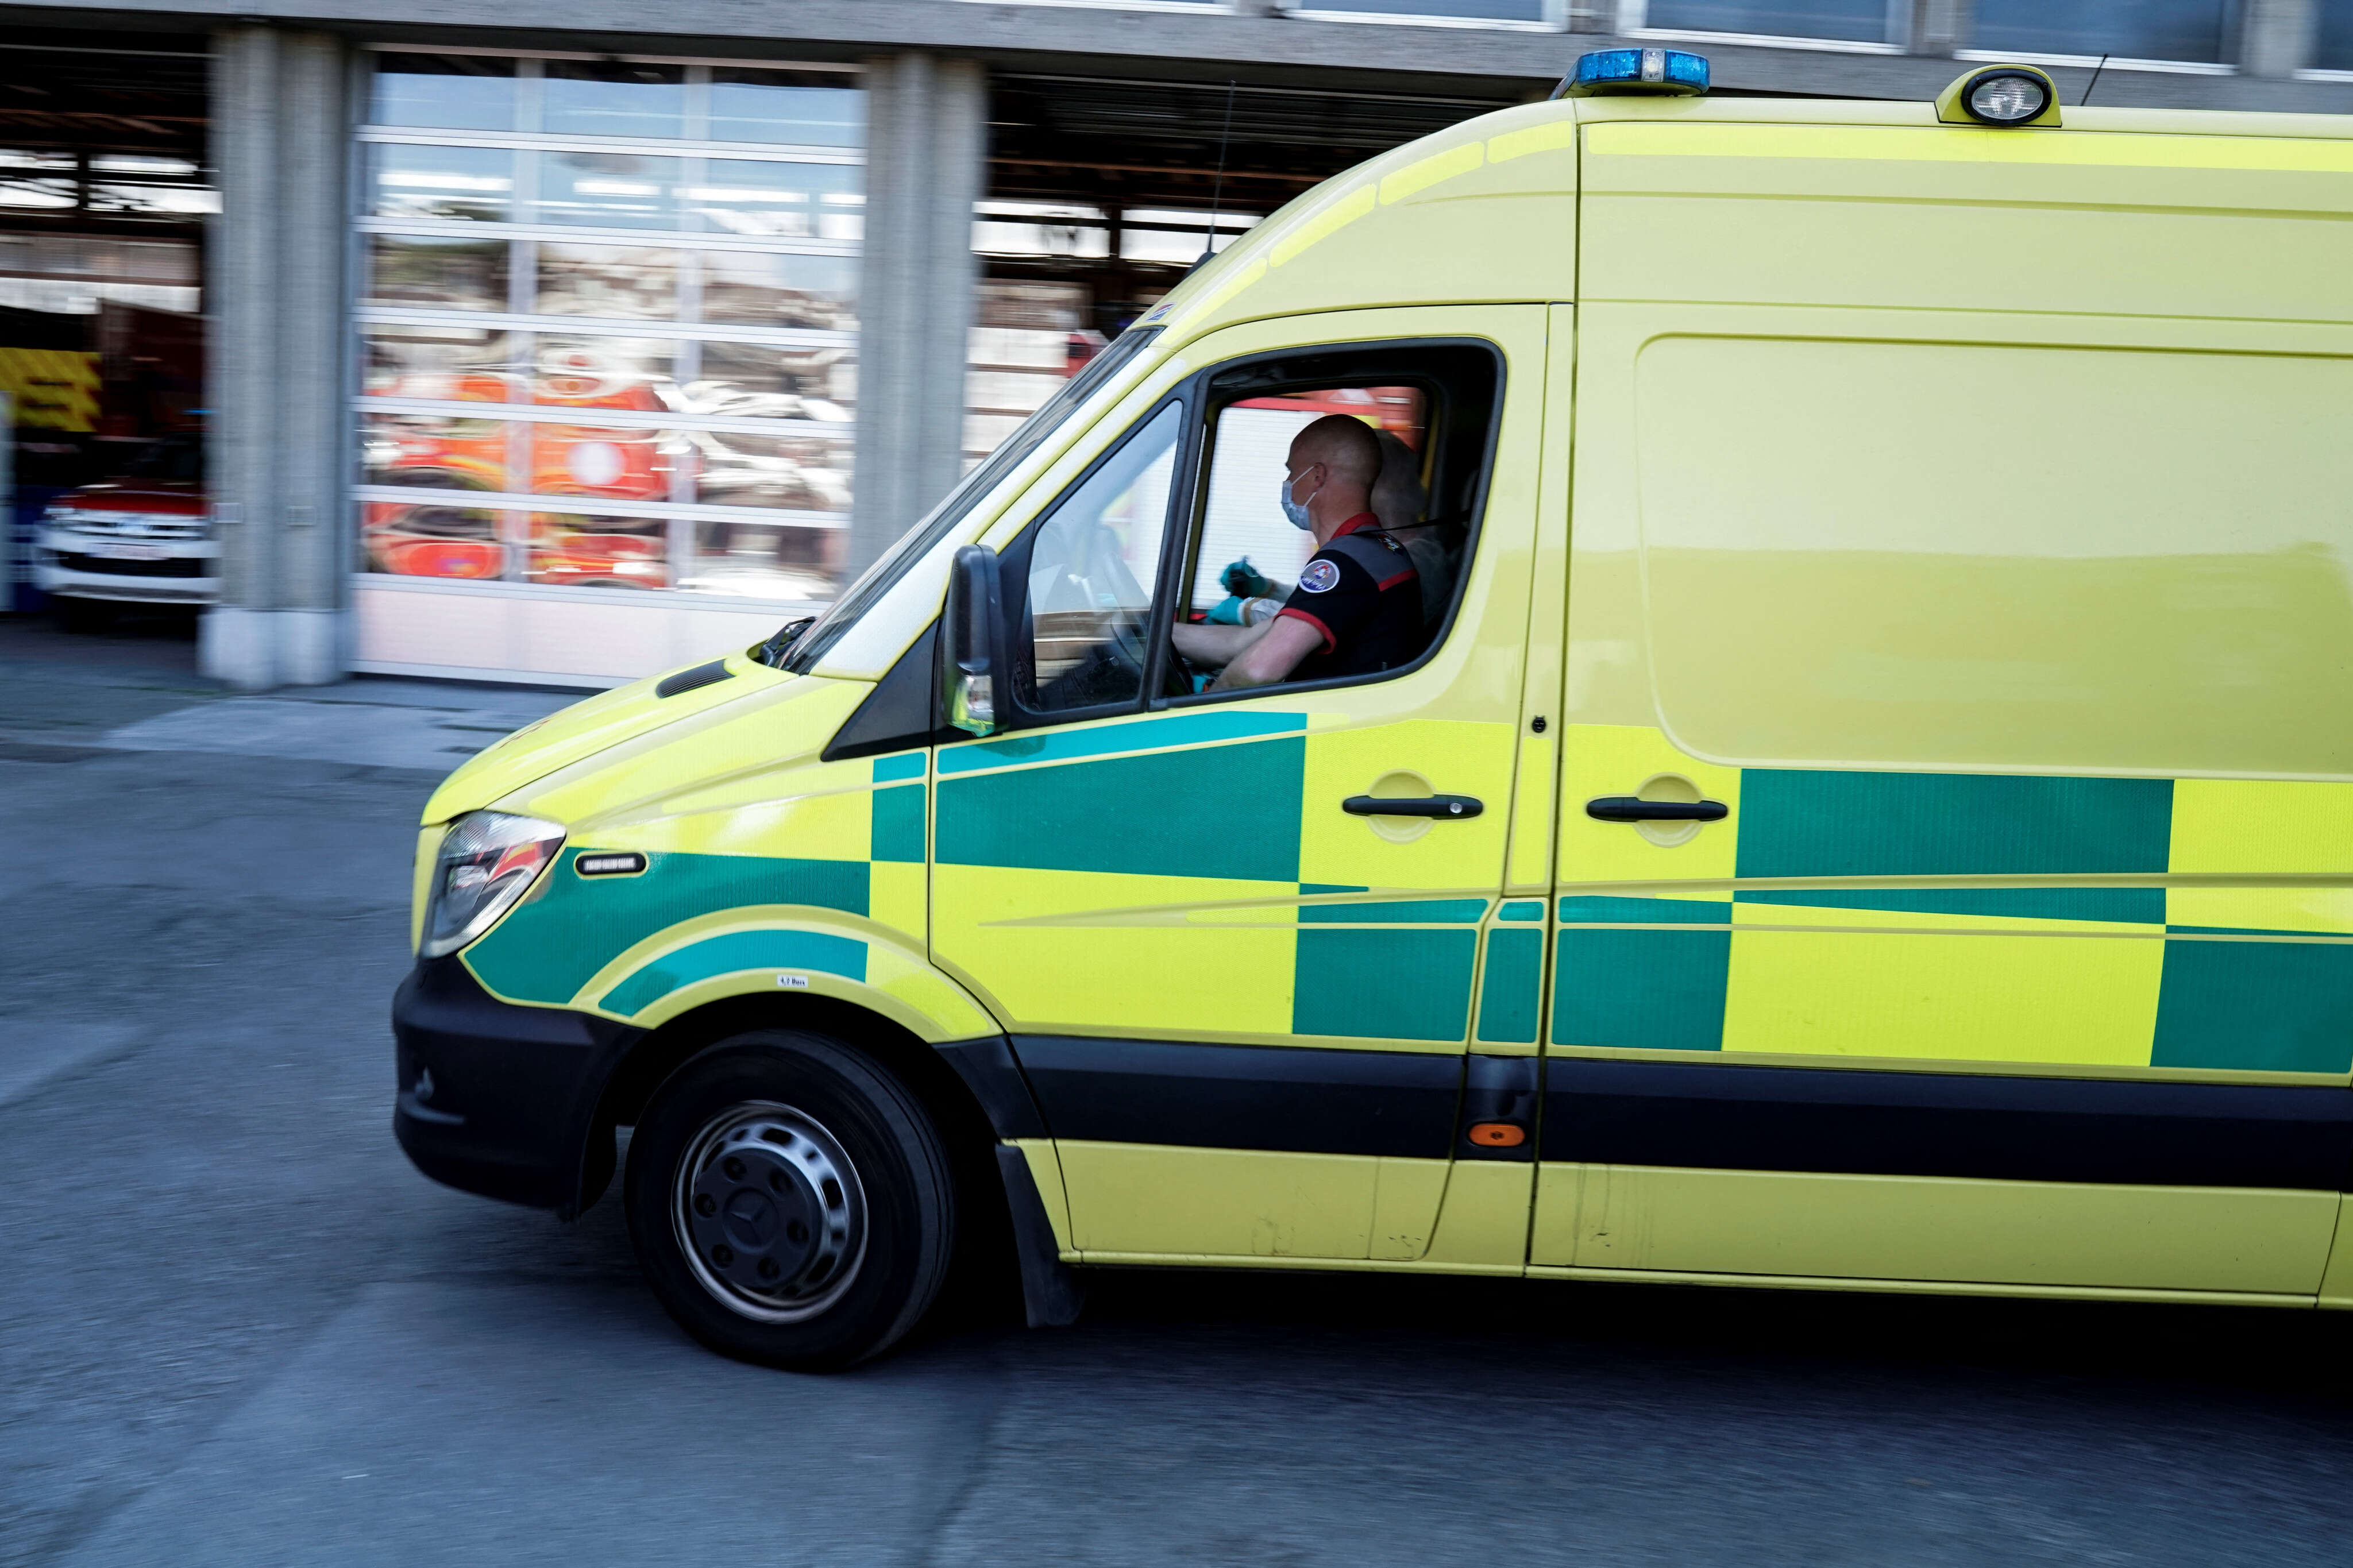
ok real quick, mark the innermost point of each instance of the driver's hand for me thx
(1244, 581)
(1228, 612)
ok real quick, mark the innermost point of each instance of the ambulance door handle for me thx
(1445, 807)
(1633, 809)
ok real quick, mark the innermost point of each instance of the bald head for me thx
(1346, 446)
(1332, 467)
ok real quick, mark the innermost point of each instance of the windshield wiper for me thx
(772, 652)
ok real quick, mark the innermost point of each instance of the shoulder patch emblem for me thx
(1321, 577)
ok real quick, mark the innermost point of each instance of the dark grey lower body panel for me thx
(1301, 1099)
(1716, 1116)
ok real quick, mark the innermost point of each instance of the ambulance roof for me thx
(1483, 211)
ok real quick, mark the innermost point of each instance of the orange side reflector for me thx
(1498, 1134)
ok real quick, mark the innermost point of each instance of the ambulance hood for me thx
(598, 724)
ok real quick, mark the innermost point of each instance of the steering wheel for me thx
(1130, 647)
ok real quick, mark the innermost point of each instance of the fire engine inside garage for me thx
(508, 350)
(103, 203)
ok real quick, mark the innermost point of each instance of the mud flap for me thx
(1051, 1293)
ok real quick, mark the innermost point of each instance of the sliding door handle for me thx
(1633, 808)
(1445, 807)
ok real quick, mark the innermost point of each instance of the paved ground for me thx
(237, 1328)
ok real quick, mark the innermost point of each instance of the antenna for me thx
(2092, 83)
(1217, 191)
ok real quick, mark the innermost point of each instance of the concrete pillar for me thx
(281, 136)
(2277, 37)
(1940, 26)
(927, 128)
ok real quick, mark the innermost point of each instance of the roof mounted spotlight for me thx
(2002, 96)
(1667, 72)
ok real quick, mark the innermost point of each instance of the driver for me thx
(1357, 608)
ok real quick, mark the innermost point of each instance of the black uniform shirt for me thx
(1360, 592)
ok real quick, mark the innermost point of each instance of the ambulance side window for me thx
(1087, 574)
(1431, 408)
(1242, 525)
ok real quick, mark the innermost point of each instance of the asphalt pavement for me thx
(237, 1328)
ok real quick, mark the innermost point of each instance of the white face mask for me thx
(1296, 511)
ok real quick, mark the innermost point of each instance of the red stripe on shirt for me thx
(1330, 642)
(1362, 519)
(1385, 583)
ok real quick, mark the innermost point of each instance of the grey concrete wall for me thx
(927, 137)
(276, 299)
(1268, 46)
(2277, 37)
(242, 273)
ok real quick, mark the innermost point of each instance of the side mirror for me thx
(972, 643)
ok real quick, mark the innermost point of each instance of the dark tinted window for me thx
(176, 459)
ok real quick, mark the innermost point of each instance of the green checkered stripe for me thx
(2247, 1005)
(1374, 966)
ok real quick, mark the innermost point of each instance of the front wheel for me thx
(790, 1201)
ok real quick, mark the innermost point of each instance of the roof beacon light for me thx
(2001, 96)
(2007, 99)
(1661, 71)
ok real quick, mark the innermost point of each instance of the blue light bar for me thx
(1670, 71)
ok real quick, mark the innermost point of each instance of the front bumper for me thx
(499, 1099)
(65, 563)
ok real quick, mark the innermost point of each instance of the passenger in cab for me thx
(1357, 609)
(1399, 499)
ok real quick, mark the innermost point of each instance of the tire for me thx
(790, 1201)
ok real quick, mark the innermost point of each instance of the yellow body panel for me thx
(1472, 759)
(2087, 219)
(585, 730)
(2247, 1241)
(1620, 759)
(1483, 1227)
(1986, 995)
(1396, 230)
(2336, 1283)
(717, 777)
(1142, 1198)
(1114, 940)
(1919, 1288)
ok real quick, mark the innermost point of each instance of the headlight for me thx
(488, 859)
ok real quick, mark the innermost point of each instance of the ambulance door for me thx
(1240, 989)
(1929, 907)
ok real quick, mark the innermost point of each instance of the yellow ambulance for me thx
(1869, 804)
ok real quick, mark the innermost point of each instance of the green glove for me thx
(1228, 613)
(1244, 581)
